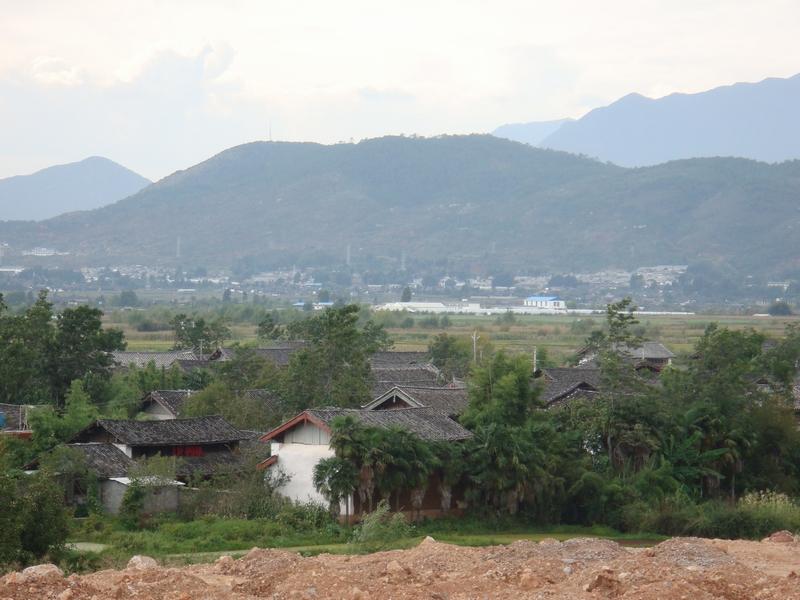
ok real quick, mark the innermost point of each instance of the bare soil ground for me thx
(680, 568)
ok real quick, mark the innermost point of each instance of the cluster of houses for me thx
(408, 392)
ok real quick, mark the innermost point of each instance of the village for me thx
(408, 392)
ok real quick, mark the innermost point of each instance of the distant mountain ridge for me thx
(529, 133)
(460, 202)
(760, 121)
(84, 185)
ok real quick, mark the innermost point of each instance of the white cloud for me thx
(160, 85)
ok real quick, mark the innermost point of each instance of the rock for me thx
(395, 568)
(780, 537)
(428, 540)
(140, 563)
(224, 563)
(528, 581)
(604, 582)
(357, 594)
(65, 595)
(549, 541)
(45, 571)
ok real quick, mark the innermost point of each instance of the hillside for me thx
(760, 121)
(460, 201)
(90, 183)
(529, 133)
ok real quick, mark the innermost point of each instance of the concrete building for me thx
(545, 302)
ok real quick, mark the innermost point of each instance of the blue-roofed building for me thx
(546, 302)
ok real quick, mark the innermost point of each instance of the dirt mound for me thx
(688, 568)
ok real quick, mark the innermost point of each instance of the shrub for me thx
(44, 518)
(379, 529)
(132, 506)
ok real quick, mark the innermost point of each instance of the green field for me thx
(560, 336)
(206, 540)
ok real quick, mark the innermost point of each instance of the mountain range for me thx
(469, 202)
(84, 185)
(760, 121)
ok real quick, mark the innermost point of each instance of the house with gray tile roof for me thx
(452, 400)
(301, 442)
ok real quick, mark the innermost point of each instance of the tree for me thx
(11, 506)
(128, 298)
(44, 520)
(51, 427)
(25, 342)
(269, 329)
(453, 354)
(336, 479)
(406, 295)
(80, 347)
(501, 392)
(332, 369)
(197, 334)
(780, 308)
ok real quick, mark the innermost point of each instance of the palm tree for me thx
(336, 479)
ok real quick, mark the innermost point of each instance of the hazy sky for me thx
(160, 85)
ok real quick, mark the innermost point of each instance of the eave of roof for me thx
(303, 417)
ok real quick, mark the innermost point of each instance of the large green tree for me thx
(332, 368)
(43, 353)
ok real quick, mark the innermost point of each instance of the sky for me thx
(161, 85)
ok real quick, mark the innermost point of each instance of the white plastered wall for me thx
(298, 459)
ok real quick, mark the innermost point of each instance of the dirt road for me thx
(680, 568)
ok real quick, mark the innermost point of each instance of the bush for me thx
(755, 516)
(132, 506)
(43, 517)
(379, 529)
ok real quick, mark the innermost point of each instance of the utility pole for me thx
(475, 338)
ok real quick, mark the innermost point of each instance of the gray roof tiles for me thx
(105, 460)
(160, 359)
(427, 423)
(172, 432)
(450, 400)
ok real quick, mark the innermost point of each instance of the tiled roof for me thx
(194, 431)
(398, 360)
(427, 423)
(649, 351)
(270, 401)
(105, 460)
(172, 400)
(644, 351)
(451, 401)
(279, 355)
(563, 382)
(160, 359)
(386, 378)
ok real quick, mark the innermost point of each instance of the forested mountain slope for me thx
(460, 200)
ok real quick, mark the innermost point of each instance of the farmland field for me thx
(560, 336)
